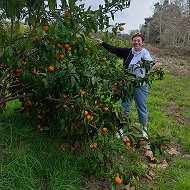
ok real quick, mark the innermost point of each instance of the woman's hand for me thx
(98, 41)
(156, 65)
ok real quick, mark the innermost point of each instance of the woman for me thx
(131, 58)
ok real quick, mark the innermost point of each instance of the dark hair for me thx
(138, 35)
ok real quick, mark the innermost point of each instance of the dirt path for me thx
(177, 65)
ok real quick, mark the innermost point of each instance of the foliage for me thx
(63, 81)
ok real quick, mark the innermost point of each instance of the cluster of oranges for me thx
(88, 116)
(101, 59)
(93, 145)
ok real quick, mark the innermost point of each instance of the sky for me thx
(133, 16)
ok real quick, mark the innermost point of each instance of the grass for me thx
(33, 161)
(169, 115)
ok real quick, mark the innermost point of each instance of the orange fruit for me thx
(141, 142)
(91, 117)
(104, 59)
(121, 28)
(82, 91)
(24, 63)
(66, 46)
(88, 117)
(118, 180)
(99, 58)
(72, 106)
(69, 49)
(50, 69)
(34, 71)
(105, 108)
(64, 106)
(18, 70)
(85, 49)
(85, 113)
(61, 56)
(65, 96)
(128, 143)
(104, 130)
(93, 145)
(45, 28)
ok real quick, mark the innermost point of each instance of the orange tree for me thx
(65, 82)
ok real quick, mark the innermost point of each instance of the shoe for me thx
(144, 132)
(119, 134)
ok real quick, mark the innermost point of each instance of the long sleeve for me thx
(120, 52)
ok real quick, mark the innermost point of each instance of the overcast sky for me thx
(132, 16)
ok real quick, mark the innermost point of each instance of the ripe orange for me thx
(121, 28)
(91, 117)
(61, 56)
(69, 49)
(104, 130)
(141, 142)
(85, 113)
(18, 70)
(24, 63)
(65, 96)
(93, 145)
(128, 143)
(118, 180)
(66, 46)
(45, 28)
(64, 106)
(99, 58)
(88, 117)
(82, 91)
(72, 106)
(104, 59)
(34, 71)
(85, 49)
(50, 69)
(105, 108)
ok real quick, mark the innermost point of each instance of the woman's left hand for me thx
(156, 65)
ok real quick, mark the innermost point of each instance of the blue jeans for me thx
(139, 95)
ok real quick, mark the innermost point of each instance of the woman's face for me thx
(137, 43)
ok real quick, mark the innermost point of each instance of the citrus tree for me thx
(64, 81)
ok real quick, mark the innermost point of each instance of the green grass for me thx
(32, 161)
(168, 103)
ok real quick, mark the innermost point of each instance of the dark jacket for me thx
(125, 53)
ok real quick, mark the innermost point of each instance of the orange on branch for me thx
(45, 28)
(121, 28)
(118, 180)
(85, 113)
(105, 108)
(85, 49)
(50, 68)
(61, 56)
